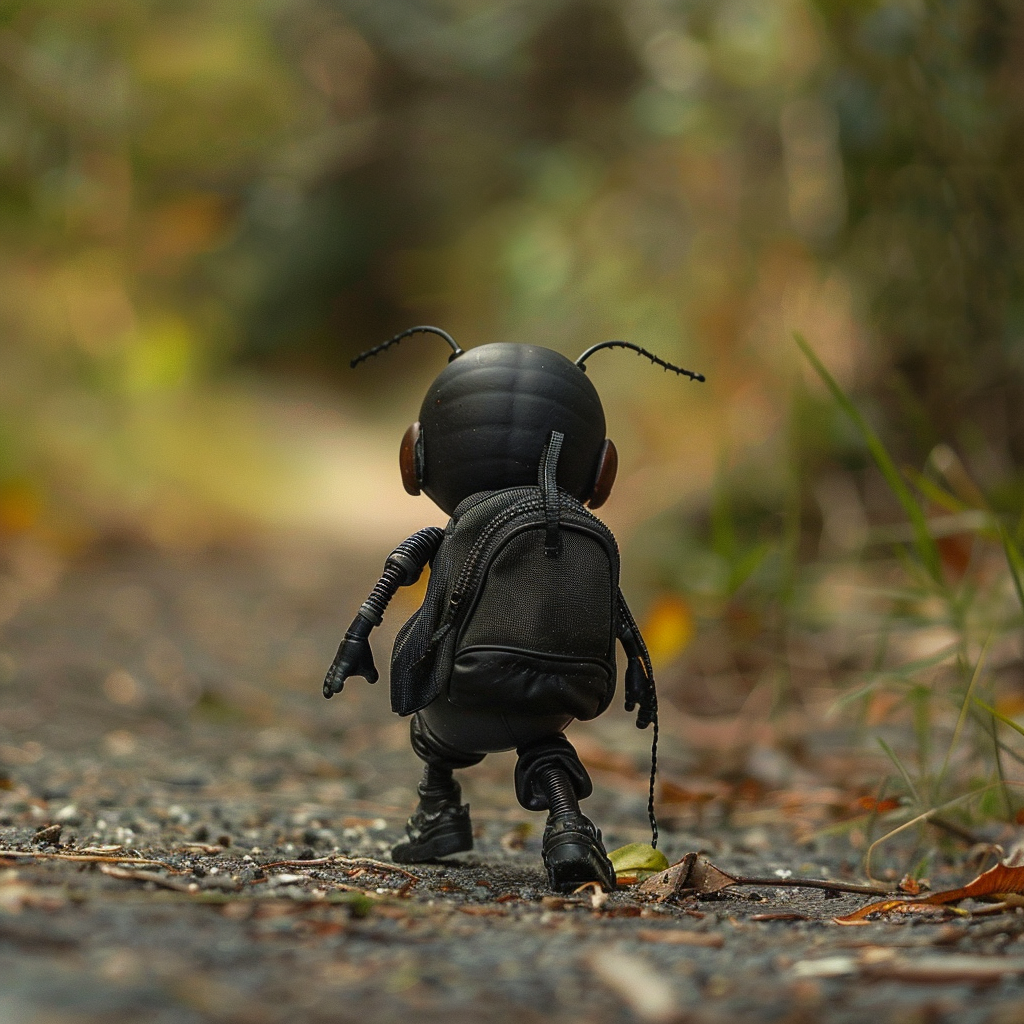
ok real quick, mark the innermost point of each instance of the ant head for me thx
(486, 419)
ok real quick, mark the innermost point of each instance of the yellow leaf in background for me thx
(637, 861)
(668, 628)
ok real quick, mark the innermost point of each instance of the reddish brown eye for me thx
(407, 459)
(607, 467)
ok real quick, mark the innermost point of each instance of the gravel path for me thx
(209, 840)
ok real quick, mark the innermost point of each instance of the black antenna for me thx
(456, 351)
(640, 351)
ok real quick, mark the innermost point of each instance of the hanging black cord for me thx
(640, 351)
(654, 774)
(456, 351)
(648, 712)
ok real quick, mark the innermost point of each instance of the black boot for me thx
(574, 854)
(440, 824)
(572, 849)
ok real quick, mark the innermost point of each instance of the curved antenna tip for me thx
(456, 350)
(581, 362)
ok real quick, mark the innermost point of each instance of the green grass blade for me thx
(1000, 716)
(935, 493)
(907, 780)
(963, 713)
(924, 543)
(1015, 561)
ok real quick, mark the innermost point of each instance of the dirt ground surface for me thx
(190, 833)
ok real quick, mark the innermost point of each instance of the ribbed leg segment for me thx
(558, 789)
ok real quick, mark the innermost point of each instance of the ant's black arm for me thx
(402, 568)
(640, 691)
(640, 694)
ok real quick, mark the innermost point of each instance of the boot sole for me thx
(572, 861)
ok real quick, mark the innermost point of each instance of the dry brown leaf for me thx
(1001, 880)
(694, 873)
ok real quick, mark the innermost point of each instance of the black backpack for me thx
(521, 611)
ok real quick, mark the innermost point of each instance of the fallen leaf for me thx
(861, 916)
(694, 873)
(637, 861)
(869, 803)
(1001, 880)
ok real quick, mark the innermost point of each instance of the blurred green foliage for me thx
(188, 191)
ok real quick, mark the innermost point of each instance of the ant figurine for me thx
(516, 634)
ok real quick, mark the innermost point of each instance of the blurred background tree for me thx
(207, 209)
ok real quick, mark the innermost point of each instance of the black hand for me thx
(646, 714)
(354, 658)
(637, 684)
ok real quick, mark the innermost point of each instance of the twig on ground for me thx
(130, 875)
(91, 858)
(814, 883)
(356, 861)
